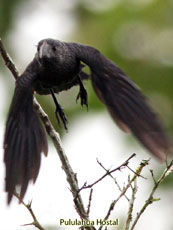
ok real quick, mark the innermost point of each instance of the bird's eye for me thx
(54, 48)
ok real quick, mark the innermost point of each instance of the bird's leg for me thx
(59, 112)
(82, 93)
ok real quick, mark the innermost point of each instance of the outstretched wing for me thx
(125, 102)
(24, 139)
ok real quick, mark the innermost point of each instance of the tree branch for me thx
(108, 172)
(28, 206)
(89, 202)
(137, 173)
(8, 62)
(131, 205)
(151, 199)
(115, 180)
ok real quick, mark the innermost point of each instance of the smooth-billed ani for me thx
(56, 67)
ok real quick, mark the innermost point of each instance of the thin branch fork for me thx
(108, 172)
(151, 199)
(137, 173)
(28, 206)
(115, 180)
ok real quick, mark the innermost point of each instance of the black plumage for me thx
(56, 67)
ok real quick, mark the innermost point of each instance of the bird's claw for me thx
(59, 112)
(83, 96)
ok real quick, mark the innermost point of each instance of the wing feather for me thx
(124, 100)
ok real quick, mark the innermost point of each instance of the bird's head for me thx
(49, 50)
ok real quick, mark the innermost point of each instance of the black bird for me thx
(57, 66)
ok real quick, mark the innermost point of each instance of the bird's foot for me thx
(83, 95)
(59, 112)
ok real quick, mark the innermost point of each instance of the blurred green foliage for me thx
(7, 20)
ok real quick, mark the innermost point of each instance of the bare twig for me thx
(152, 174)
(114, 179)
(28, 206)
(120, 189)
(137, 172)
(151, 199)
(8, 62)
(89, 202)
(108, 172)
(131, 205)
